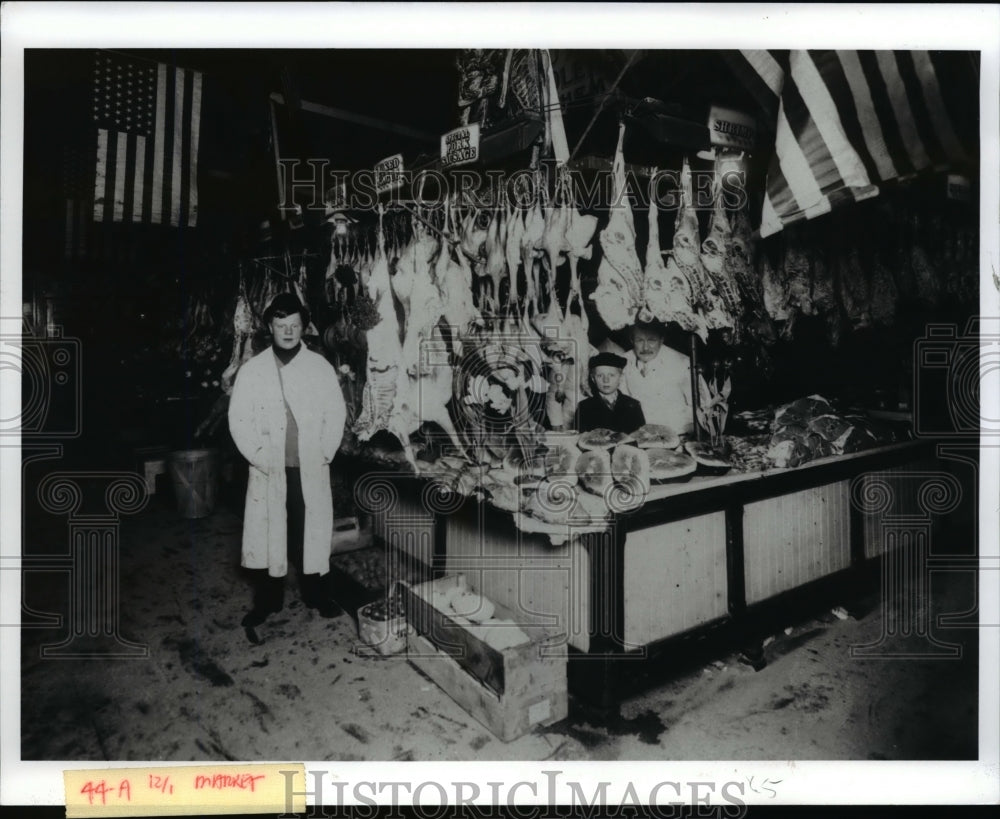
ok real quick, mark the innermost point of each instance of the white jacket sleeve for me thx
(243, 426)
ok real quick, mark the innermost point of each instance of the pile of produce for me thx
(810, 428)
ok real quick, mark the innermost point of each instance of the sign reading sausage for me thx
(461, 146)
(389, 173)
(731, 128)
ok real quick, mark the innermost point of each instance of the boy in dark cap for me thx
(608, 408)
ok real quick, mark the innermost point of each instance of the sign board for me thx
(731, 129)
(461, 146)
(389, 174)
(959, 188)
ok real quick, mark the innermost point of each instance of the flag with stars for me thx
(148, 117)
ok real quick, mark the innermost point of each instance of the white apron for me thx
(664, 391)
(257, 423)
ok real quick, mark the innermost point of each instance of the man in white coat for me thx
(659, 378)
(286, 416)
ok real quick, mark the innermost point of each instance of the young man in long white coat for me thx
(286, 416)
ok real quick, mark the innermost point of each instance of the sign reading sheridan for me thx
(731, 128)
(461, 146)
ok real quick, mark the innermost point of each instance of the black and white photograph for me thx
(454, 402)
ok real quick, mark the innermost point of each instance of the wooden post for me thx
(694, 386)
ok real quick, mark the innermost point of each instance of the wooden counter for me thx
(698, 555)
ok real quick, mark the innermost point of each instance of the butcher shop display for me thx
(461, 329)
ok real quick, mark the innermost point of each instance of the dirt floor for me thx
(206, 693)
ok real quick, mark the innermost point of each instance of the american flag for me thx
(846, 121)
(148, 118)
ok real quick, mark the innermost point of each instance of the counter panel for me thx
(538, 581)
(403, 521)
(792, 539)
(903, 486)
(675, 578)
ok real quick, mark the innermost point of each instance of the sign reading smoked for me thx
(731, 129)
(389, 174)
(461, 146)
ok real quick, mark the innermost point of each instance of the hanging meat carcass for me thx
(242, 339)
(426, 310)
(713, 256)
(776, 296)
(534, 229)
(579, 233)
(739, 261)
(618, 296)
(798, 276)
(854, 289)
(512, 251)
(667, 292)
(496, 264)
(884, 295)
(384, 400)
(454, 283)
(686, 253)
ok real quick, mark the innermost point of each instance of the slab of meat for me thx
(619, 277)
(775, 292)
(884, 296)
(242, 341)
(667, 293)
(854, 289)
(713, 256)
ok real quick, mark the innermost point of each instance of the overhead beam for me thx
(360, 119)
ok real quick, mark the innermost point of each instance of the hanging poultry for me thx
(384, 400)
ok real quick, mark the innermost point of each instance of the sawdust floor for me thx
(206, 693)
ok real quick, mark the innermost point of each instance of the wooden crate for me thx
(510, 690)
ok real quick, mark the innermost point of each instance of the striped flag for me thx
(845, 121)
(148, 118)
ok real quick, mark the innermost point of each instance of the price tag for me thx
(389, 174)
(461, 146)
(186, 791)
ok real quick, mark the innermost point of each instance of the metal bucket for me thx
(195, 475)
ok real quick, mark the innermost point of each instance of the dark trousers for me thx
(269, 591)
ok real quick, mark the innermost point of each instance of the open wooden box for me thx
(509, 690)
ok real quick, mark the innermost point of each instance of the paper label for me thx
(461, 146)
(731, 128)
(185, 791)
(389, 173)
